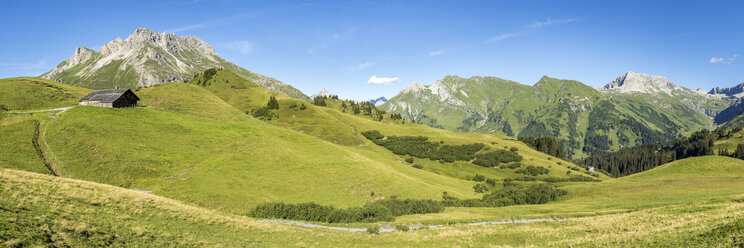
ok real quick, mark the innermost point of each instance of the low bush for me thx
(382, 210)
(421, 147)
(479, 178)
(418, 166)
(493, 158)
(480, 188)
(512, 194)
(373, 229)
(403, 228)
(533, 170)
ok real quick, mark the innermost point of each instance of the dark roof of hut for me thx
(107, 96)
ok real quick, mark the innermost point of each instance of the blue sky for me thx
(345, 45)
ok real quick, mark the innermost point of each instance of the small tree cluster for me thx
(492, 159)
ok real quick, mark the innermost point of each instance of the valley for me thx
(214, 155)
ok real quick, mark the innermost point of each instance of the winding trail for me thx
(382, 230)
(44, 158)
(62, 110)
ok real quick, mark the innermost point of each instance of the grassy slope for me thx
(698, 180)
(228, 165)
(17, 148)
(332, 125)
(36, 93)
(76, 213)
(188, 99)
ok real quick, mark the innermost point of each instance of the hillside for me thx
(146, 58)
(632, 110)
(27, 93)
(80, 213)
(338, 124)
(227, 165)
(189, 144)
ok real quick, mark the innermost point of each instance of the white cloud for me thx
(502, 37)
(548, 22)
(382, 80)
(360, 67)
(189, 27)
(531, 28)
(723, 60)
(242, 46)
(437, 52)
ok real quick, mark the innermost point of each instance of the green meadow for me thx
(207, 162)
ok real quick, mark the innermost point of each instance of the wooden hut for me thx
(116, 98)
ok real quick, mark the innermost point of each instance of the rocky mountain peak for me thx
(639, 82)
(737, 91)
(147, 58)
(414, 87)
(323, 92)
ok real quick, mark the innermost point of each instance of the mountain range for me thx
(634, 108)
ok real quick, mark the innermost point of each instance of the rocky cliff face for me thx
(643, 83)
(736, 91)
(146, 58)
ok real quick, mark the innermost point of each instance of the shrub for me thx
(382, 210)
(373, 229)
(409, 160)
(272, 104)
(517, 195)
(533, 170)
(512, 166)
(513, 149)
(421, 147)
(302, 107)
(512, 194)
(418, 166)
(403, 228)
(491, 182)
(493, 158)
(479, 178)
(446, 196)
(263, 113)
(480, 188)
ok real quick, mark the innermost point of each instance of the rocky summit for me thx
(146, 58)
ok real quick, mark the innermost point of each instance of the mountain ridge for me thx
(147, 58)
(647, 108)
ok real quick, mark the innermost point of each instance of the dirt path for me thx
(62, 110)
(39, 152)
(38, 134)
(382, 230)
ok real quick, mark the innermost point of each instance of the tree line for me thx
(545, 145)
(644, 157)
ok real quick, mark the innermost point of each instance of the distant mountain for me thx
(737, 91)
(632, 109)
(146, 58)
(379, 101)
(323, 92)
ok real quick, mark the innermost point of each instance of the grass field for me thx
(207, 163)
(36, 93)
(40, 209)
